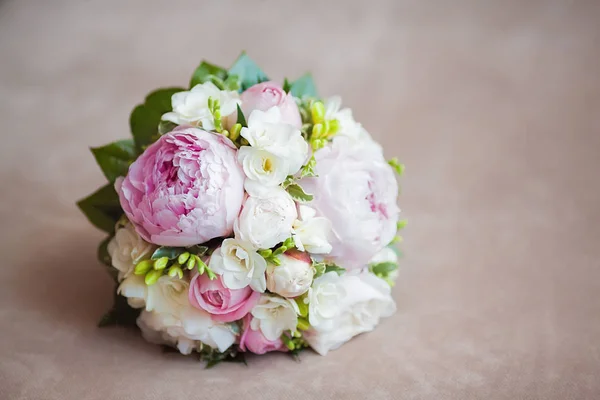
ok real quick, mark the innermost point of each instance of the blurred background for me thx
(494, 107)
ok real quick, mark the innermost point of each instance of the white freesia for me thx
(293, 277)
(185, 328)
(273, 315)
(126, 249)
(387, 254)
(267, 216)
(267, 132)
(363, 300)
(263, 167)
(191, 107)
(311, 233)
(239, 265)
(165, 295)
(348, 126)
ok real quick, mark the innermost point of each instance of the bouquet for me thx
(247, 216)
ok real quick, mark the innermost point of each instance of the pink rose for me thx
(224, 305)
(185, 189)
(265, 95)
(255, 342)
(356, 190)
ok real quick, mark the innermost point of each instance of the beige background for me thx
(493, 106)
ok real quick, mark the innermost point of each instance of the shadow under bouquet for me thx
(247, 216)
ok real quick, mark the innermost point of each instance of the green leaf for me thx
(240, 117)
(198, 250)
(334, 268)
(105, 259)
(145, 118)
(204, 71)
(121, 314)
(114, 158)
(286, 85)
(248, 71)
(384, 268)
(102, 208)
(298, 193)
(396, 250)
(165, 127)
(304, 86)
(170, 252)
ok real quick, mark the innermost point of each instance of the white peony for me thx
(239, 265)
(293, 277)
(166, 294)
(362, 299)
(191, 107)
(267, 132)
(273, 315)
(126, 249)
(185, 328)
(267, 216)
(311, 233)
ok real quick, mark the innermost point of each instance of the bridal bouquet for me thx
(247, 216)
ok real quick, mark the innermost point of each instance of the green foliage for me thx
(205, 71)
(145, 118)
(114, 158)
(303, 87)
(105, 259)
(298, 193)
(241, 119)
(213, 357)
(102, 208)
(121, 314)
(170, 252)
(308, 170)
(248, 72)
(166, 127)
(334, 268)
(324, 267)
(286, 85)
(384, 268)
(399, 168)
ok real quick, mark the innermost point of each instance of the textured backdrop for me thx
(494, 106)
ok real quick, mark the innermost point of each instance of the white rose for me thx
(267, 216)
(262, 166)
(191, 107)
(186, 328)
(267, 132)
(239, 265)
(364, 299)
(311, 233)
(126, 249)
(323, 300)
(293, 277)
(273, 315)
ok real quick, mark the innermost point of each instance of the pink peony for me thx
(265, 95)
(356, 190)
(185, 189)
(255, 342)
(224, 305)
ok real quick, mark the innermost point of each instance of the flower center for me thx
(267, 165)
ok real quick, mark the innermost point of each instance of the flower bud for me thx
(293, 277)
(175, 271)
(161, 263)
(152, 277)
(183, 257)
(143, 267)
